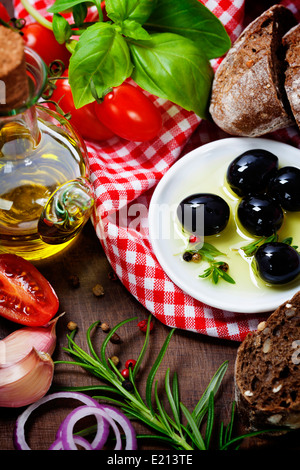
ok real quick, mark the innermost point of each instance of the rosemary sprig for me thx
(169, 429)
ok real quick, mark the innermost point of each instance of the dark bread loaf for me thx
(248, 97)
(267, 371)
(291, 42)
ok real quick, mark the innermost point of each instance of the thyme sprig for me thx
(208, 252)
(168, 428)
(217, 270)
(252, 247)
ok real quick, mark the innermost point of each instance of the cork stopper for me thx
(14, 89)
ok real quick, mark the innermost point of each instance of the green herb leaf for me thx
(216, 272)
(197, 438)
(252, 247)
(207, 273)
(137, 10)
(101, 60)
(134, 30)
(224, 275)
(99, 9)
(162, 413)
(212, 387)
(60, 6)
(154, 368)
(211, 249)
(79, 13)
(168, 431)
(210, 419)
(61, 28)
(172, 67)
(172, 401)
(192, 19)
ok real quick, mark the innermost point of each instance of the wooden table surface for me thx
(195, 357)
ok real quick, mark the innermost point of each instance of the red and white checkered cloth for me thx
(124, 173)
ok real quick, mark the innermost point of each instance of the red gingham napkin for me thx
(124, 173)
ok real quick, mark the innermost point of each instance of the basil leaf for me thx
(132, 29)
(172, 67)
(61, 28)
(191, 19)
(101, 60)
(97, 3)
(79, 13)
(137, 10)
(64, 5)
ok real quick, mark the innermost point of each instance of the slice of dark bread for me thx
(248, 96)
(267, 371)
(291, 41)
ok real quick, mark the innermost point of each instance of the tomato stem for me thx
(36, 15)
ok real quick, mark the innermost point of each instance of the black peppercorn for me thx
(224, 266)
(127, 385)
(187, 256)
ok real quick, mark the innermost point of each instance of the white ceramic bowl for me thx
(198, 171)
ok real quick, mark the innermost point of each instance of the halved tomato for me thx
(26, 297)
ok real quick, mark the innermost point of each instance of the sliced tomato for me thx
(26, 297)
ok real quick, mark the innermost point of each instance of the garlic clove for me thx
(18, 344)
(27, 380)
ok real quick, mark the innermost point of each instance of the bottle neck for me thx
(19, 130)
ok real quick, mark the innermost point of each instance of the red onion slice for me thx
(57, 445)
(124, 422)
(106, 416)
(19, 430)
(67, 426)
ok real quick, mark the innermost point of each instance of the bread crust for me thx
(291, 41)
(248, 98)
(267, 371)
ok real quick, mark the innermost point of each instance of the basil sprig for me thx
(164, 46)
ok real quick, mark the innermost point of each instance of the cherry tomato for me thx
(129, 113)
(26, 297)
(4, 13)
(83, 119)
(43, 42)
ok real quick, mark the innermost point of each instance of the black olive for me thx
(127, 385)
(285, 188)
(203, 214)
(260, 215)
(277, 263)
(250, 172)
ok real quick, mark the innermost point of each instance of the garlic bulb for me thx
(27, 380)
(26, 367)
(19, 343)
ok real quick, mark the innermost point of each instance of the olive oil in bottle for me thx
(42, 162)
